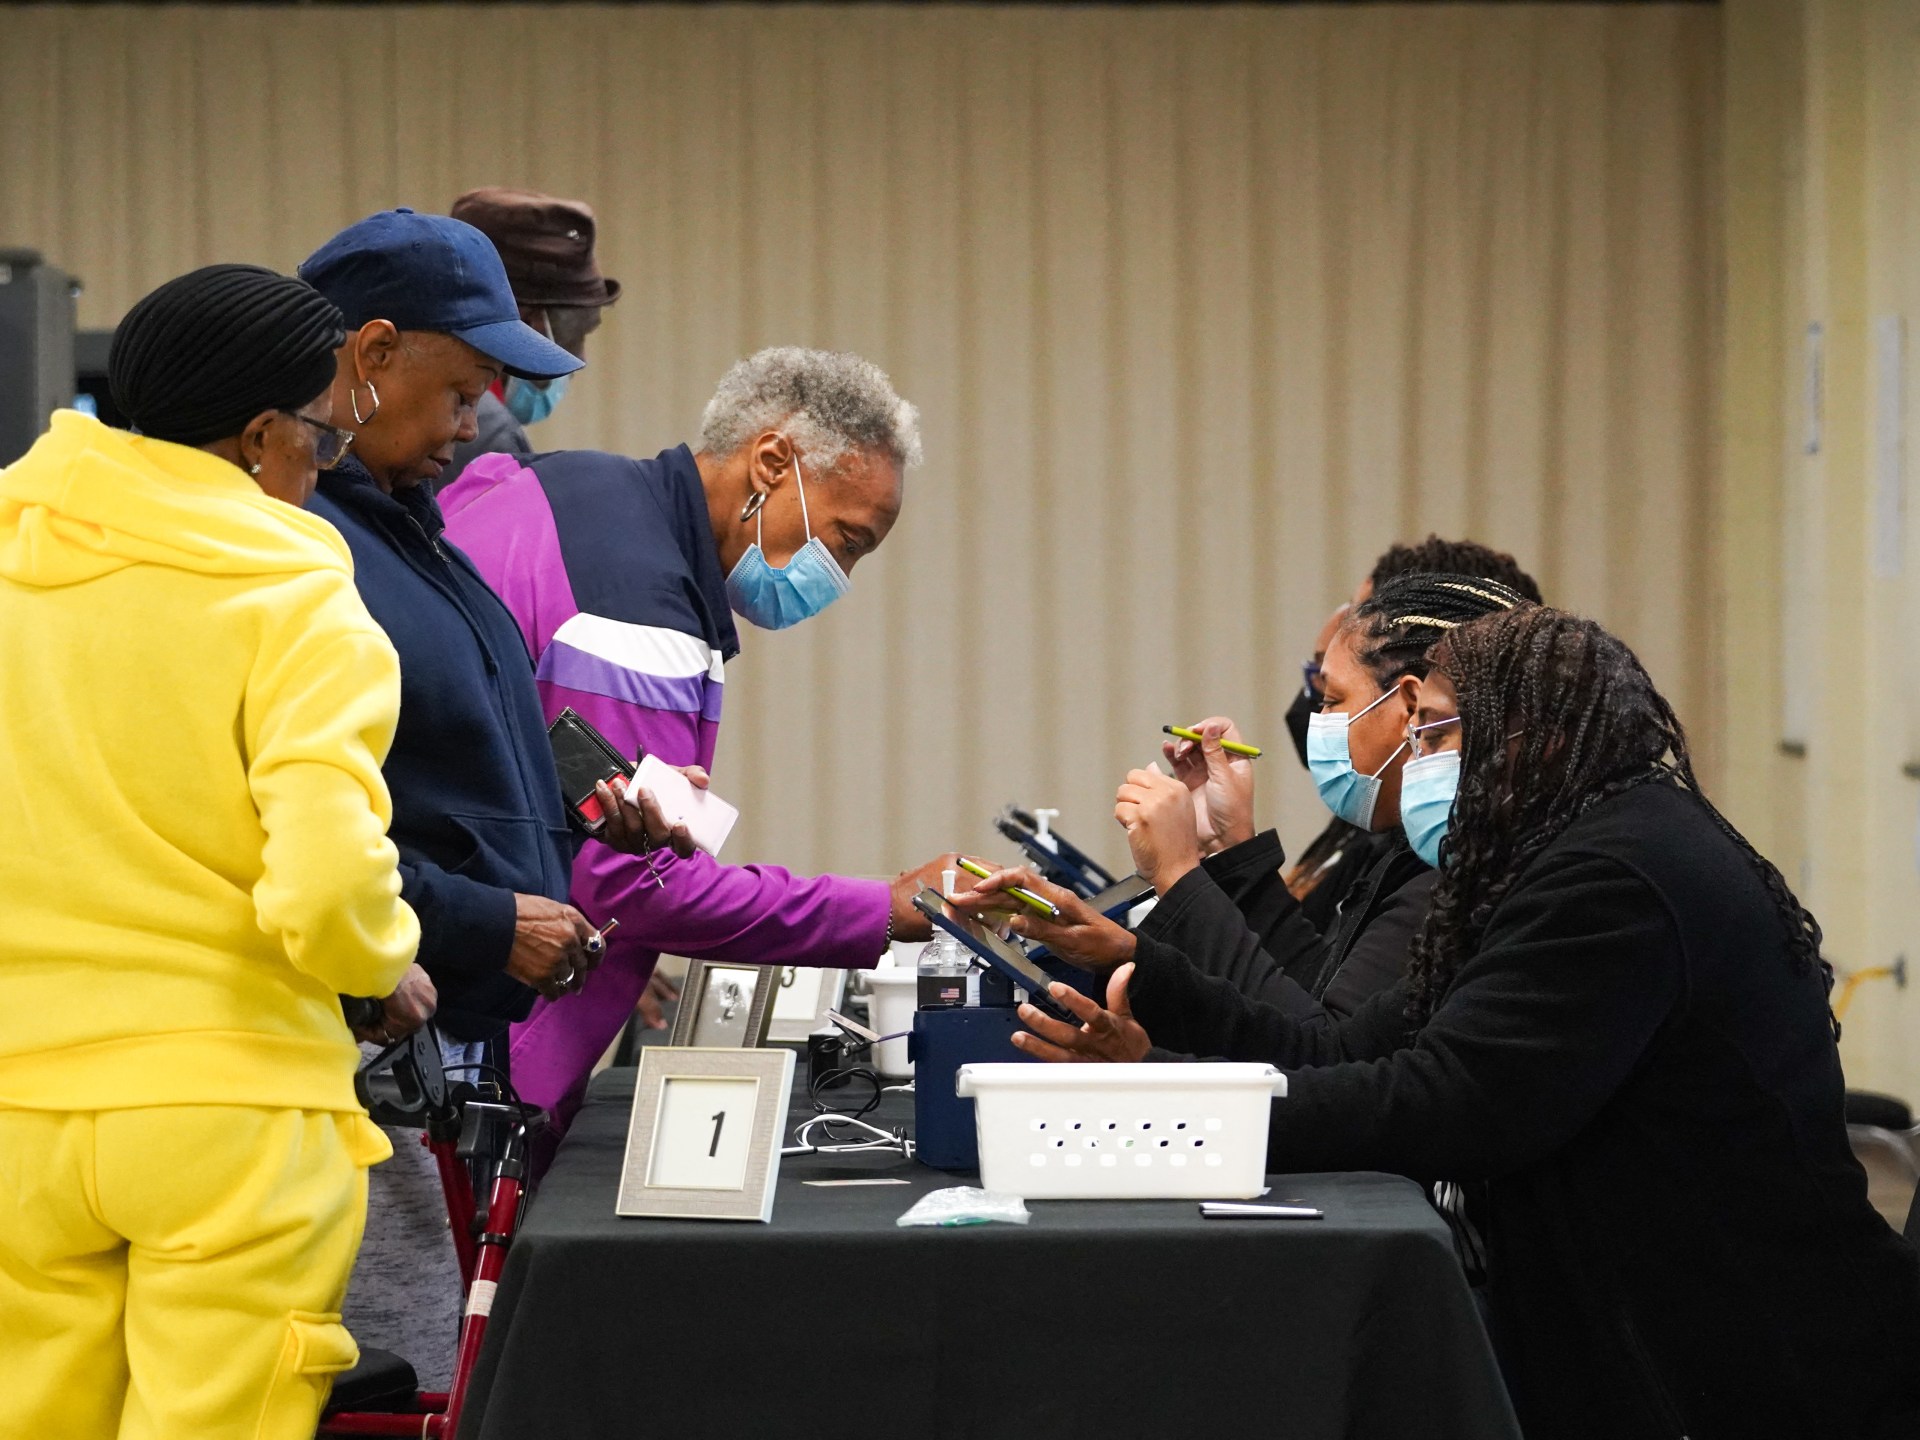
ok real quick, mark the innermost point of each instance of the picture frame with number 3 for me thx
(802, 1001)
(704, 1139)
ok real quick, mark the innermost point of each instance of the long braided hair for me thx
(1396, 627)
(1588, 725)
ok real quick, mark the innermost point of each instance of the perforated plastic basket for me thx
(1134, 1132)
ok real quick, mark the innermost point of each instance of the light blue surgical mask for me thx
(1428, 784)
(773, 598)
(1347, 793)
(530, 403)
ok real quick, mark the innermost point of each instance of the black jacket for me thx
(477, 813)
(1345, 853)
(1679, 1236)
(1234, 918)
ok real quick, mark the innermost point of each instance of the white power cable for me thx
(880, 1140)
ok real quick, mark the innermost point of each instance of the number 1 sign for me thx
(704, 1141)
(687, 1153)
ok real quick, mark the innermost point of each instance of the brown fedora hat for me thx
(545, 242)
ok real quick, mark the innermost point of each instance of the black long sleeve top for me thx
(1679, 1236)
(1234, 919)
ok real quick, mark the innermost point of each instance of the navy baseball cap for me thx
(432, 272)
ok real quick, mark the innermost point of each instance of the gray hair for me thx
(828, 402)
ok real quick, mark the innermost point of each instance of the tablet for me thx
(1115, 902)
(1117, 899)
(1001, 955)
(1058, 859)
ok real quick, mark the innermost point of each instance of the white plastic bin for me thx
(895, 996)
(1123, 1132)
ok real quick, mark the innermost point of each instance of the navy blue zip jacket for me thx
(477, 812)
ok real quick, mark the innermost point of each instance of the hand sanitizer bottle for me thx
(1043, 829)
(943, 964)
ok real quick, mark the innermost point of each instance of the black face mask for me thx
(1304, 704)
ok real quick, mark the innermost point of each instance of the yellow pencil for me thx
(1232, 747)
(1040, 903)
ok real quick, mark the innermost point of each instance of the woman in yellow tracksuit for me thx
(194, 706)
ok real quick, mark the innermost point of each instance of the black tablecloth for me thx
(1101, 1319)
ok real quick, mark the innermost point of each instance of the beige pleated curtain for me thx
(1201, 307)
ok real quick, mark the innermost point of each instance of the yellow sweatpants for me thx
(177, 1271)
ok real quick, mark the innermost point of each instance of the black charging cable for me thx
(832, 1062)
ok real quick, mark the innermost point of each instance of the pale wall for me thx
(1202, 308)
(1823, 226)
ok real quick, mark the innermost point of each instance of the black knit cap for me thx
(201, 356)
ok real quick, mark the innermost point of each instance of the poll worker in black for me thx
(1335, 859)
(1617, 1018)
(1232, 914)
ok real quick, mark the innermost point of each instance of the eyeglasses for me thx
(330, 445)
(1415, 743)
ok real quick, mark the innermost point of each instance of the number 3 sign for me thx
(704, 1141)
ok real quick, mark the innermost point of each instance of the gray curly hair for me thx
(827, 401)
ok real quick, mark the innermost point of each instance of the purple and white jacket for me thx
(609, 566)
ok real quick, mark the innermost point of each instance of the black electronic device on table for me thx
(1053, 855)
(584, 757)
(999, 954)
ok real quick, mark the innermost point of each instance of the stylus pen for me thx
(1227, 1210)
(1038, 902)
(1232, 747)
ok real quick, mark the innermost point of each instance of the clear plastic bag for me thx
(966, 1205)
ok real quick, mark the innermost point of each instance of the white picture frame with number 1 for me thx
(704, 1139)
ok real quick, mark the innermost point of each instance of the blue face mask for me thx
(1347, 792)
(798, 590)
(530, 403)
(1428, 784)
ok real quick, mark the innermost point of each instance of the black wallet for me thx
(584, 757)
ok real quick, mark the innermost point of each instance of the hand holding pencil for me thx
(1193, 736)
(1209, 759)
(1019, 892)
(1076, 932)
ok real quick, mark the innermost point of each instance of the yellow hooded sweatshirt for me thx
(194, 705)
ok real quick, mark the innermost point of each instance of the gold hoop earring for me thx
(353, 399)
(752, 507)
